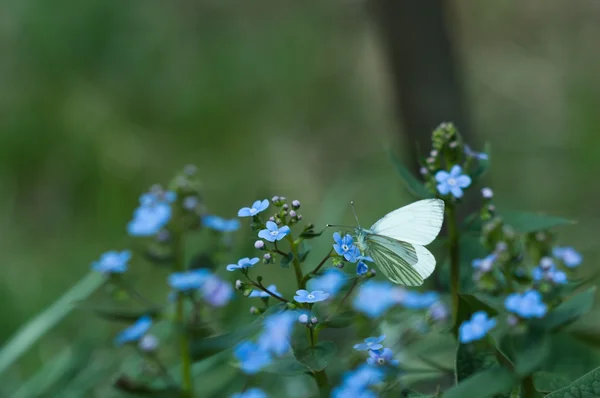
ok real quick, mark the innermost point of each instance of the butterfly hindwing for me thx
(396, 259)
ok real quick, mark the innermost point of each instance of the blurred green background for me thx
(101, 99)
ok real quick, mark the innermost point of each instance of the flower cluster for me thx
(476, 328)
(378, 355)
(153, 213)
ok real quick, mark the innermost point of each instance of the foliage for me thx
(499, 319)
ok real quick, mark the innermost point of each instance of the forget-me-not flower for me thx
(252, 358)
(569, 256)
(418, 301)
(370, 343)
(363, 377)
(526, 305)
(243, 263)
(382, 357)
(262, 294)
(256, 208)
(250, 393)
(135, 332)
(362, 267)
(475, 328)
(484, 264)
(216, 292)
(273, 233)
(345, 247)
(549, 272)
(190, 280)
(374, 298)
(452, 182)
(152, 215)
(304, 296)
(112, 262)
(331, 281)
(220, 224)
(277, 331)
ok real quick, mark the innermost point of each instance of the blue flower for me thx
(484, 264)
(344, 391)
(374, 298)
(452, 182)
(135, 332)
(478, 155)
(331, 281)
(252, 358)
(243, 263)
(475, 328)
(382, 357)
(304, 296)
(250, 393)
(216, 292)
(569, 256)
(220, 224)
(260, 293)
(549, 272)
(362, 267)
(272, 233)
(526, 305)
(345, 247)
(363, 377)
(371, 343)
(153, 213)
(277, 332)
(112, 262)
(418, 301)
(256, 208)
(190, 280)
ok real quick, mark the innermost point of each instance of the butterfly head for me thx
(361, 238)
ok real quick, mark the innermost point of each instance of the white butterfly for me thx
(395, 242)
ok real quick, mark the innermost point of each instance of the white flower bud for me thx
(148, 343)
(487, 193)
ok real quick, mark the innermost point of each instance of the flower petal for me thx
(463, 181)
(441, 176)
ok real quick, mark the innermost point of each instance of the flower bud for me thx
(275, 199)
(430, 160)
(148, 343)
(487, 193)
(453, 144)
(278, 221)
(423, 170)
(292, 213)
(512, 320)
(434, 152)
(259, 244)
(239, 285)
(314, 320)
(296, 204)
(267, 256)
(271, 218)
(190, 203)
(259, 278)
(285, 206)
(372, 272)
(546, 263)
(190, 170)
(254, 310)
(299, 217)
(285, 213)
(501, 247)
(282, 198)
(303, 318)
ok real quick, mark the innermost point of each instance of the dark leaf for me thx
(303, 251)
(548, 382)
(530, 350)
(287, 366)
(286, 261)
(316, 358)
(492, 381)
(125, 384)
(584, 387)
(525, 222)
(412, 183)
(341, 320)
(569, 311)
(471, 359)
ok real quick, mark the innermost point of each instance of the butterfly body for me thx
(396, 242)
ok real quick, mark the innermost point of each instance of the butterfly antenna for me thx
(354, 211)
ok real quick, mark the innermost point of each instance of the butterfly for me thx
(396, 242)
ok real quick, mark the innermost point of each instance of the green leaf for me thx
(412, 183)
(584, 387)
(471, 359)
(525, 222)
(287, 366)
(548, 382)
(530, 350)
(569, 311)
(303, 251)
(287, 260)
(341, 320)
(492, 381)
(47, 319)
(317, 358)
(134, 388)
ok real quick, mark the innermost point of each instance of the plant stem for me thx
(527, 388)
(322, 382)
(454, 241)
(296, 263)
(184, 346)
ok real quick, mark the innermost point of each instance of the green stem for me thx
(317, 268)
(453, 236)
(184, 345)
(296, 263)
(527, 388)
(322, 382)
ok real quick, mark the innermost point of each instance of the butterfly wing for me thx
(418, 223)
(401, 262)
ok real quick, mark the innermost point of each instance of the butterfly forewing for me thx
(396, 259)
(418, 223)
